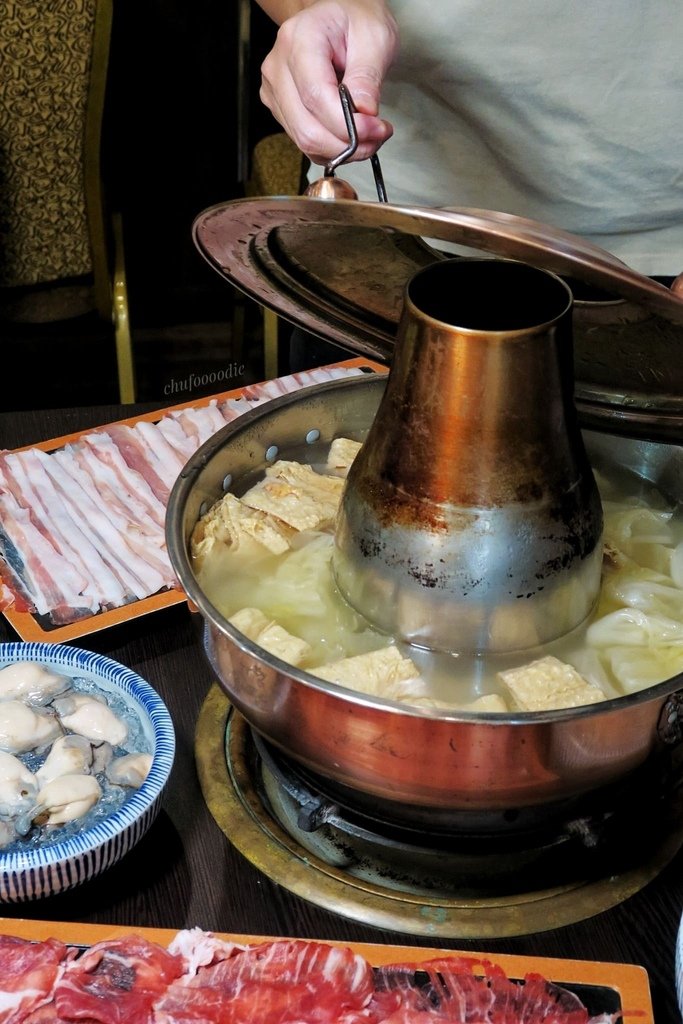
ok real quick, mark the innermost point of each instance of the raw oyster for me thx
(22, 728)
(24, 680)
(18, 786)
(73, 755)
(129, 770)
(91, 718)
(65, 798)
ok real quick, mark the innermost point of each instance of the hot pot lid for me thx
(338, 269)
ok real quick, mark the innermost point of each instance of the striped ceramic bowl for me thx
(32, 872)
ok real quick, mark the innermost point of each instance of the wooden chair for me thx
(104, 220)
(58, 223)
(278, 168)
(272, 167)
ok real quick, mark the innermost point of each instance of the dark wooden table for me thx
(185, 872)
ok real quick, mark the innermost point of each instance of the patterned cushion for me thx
(44, 69)
(278, 167)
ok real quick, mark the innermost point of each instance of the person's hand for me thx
(354, 41)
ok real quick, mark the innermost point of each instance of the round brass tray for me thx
(338, 269)
(230, 794)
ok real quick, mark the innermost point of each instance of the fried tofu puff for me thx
(548, 684)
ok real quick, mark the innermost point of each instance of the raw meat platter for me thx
(82, 517)
(53, 972)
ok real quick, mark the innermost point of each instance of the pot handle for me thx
(329, 187)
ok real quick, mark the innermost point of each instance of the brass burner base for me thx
(221, 739)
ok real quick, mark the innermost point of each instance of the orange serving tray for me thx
(628, 981)
(28, 626)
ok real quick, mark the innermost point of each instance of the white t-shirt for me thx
(566, 111)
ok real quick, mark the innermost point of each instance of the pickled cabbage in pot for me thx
(287, 602)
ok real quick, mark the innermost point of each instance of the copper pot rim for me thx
(507, 333)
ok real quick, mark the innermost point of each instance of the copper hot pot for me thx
(418, 757)
(370, 746)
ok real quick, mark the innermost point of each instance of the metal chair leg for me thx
(122, 336)
(270, 343)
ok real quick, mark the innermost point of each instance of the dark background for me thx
(170, 149)
(173, 143)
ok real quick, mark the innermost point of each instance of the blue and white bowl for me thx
(44, 870)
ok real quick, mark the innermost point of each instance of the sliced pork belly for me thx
(214, 414)
(293, 382)
(118, 528)
(200, 423)
(137, 455)
(131, 479)
(11, 596)
(176, 437)
(75, 518)
(231, 408)
(111, 490)
(138, 576)
(269, 389)
(43, 572)
(189, 427)
(57, 557)
(320, 374)
(170, 462)
(28, 487)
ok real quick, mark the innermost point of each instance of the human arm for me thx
(319, 44)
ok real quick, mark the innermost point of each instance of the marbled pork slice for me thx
(133, 494)
(456, 990)
(116, 981)
(280, 982)
(28, 974)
